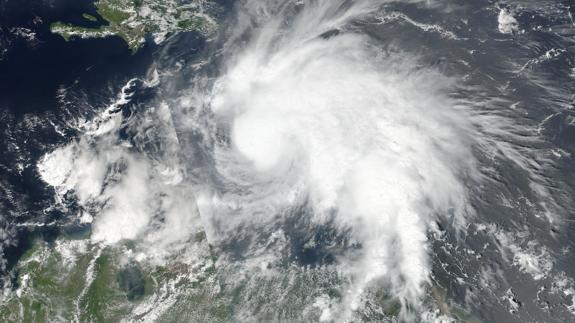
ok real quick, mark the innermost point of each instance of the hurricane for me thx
(318, 115)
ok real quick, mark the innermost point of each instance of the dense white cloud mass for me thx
(507, 24)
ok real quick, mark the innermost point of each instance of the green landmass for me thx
(53, 287)
(89, 17)
(132, 20)
(76, 280)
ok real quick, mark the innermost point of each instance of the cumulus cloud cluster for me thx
(129, 189)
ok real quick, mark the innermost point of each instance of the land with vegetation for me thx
(132, 20)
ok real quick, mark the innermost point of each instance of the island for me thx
(132, 20)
